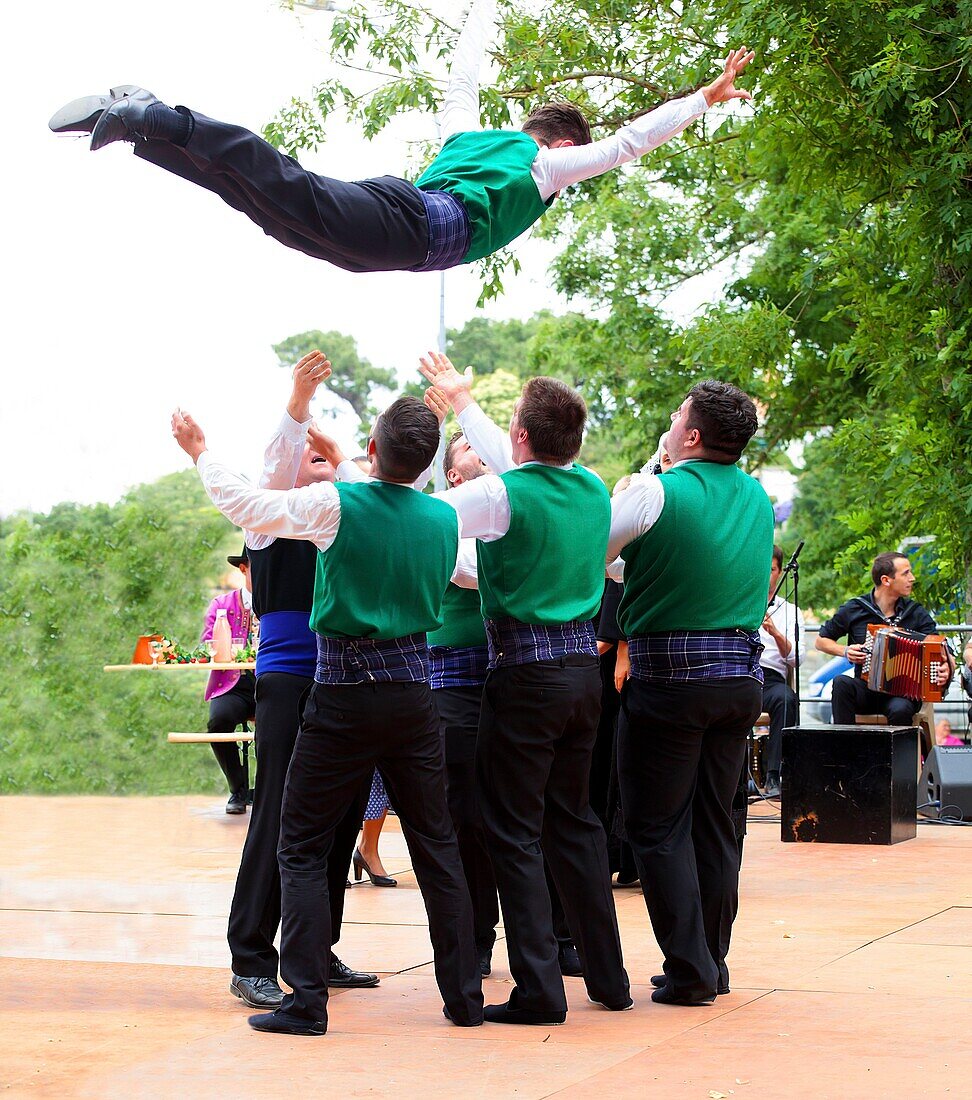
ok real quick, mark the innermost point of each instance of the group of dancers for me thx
(398, 635)
(406, 631)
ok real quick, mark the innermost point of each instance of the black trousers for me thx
(780, 702)
(346, 732)
(255, 913)
(226, 712)
(458, 710)
(852, 697)
(533, 761)
(374, 225)
(681, 748)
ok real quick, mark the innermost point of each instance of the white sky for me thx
(128, 291)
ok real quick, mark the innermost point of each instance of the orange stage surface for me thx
(851, 977)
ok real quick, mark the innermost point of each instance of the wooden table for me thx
(244, 738)
(175, 666)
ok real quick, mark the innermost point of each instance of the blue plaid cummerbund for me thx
(681, 655)
(449, 233)
(371, 661)
(458, 666)
(514, 643)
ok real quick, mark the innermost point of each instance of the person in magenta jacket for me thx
(230, 693)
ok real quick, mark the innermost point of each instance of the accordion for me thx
(903, 663)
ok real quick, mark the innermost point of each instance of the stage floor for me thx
(851, 977)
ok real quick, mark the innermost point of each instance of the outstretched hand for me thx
(455, 387)
(309, 373)
(187, 433)
(723, 88)
(325, 446)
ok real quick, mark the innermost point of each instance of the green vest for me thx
(549, 568)
(489, 172)
(705, 563)
(462, 619)
(386, 571)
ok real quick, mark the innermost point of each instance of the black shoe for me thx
(570, 964)
(659, 981)
(511, 1014)
(256, 992)
(448, 1016)
(237, 803)
(287, 1025)
(81, 115)
(665, 996)
(122, 119)
(772, 789)
(627, 878)
(485, 958)
(623, 1007)
(345, 978)
(376, 880)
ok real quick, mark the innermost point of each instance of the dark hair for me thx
(724, 416)
(883, 566)
(778, 556)
(406, 438)
(554, 121)
(449, 448)
(553, 415)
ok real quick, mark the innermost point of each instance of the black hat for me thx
(239, 559)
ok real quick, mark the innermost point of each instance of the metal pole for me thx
(438, 474)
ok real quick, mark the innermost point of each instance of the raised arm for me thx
(281, 460)
(460, 108)
(485, 437)
(557, 168)
(312, 513)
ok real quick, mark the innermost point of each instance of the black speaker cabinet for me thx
(849, 784)
(946, 783)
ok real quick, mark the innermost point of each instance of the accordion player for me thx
(901, 662)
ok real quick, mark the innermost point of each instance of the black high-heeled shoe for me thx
(376, 880)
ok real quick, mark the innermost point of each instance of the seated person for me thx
(231, 694)
(782, 628)
(944, 735)
(887, 604)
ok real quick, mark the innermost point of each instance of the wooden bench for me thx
(242, 737)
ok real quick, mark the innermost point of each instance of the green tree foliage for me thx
(353, 379)
(77, 587)
(837, 214)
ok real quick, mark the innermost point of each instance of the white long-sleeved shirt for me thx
(788, 620)
(281, 465)
(554, 169)
(312, 512)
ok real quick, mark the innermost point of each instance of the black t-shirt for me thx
(852, 619)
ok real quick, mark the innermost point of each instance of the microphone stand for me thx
(792, 569)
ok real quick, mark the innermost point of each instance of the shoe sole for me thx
(252, 1004)
(80, 115)
(353, 985)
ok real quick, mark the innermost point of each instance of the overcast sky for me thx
(128, 291)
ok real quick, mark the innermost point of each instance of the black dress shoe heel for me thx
(659, 981)
(257, 992)
(376, 880)
(287, 1025)
(341, 975)
(123, 118)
